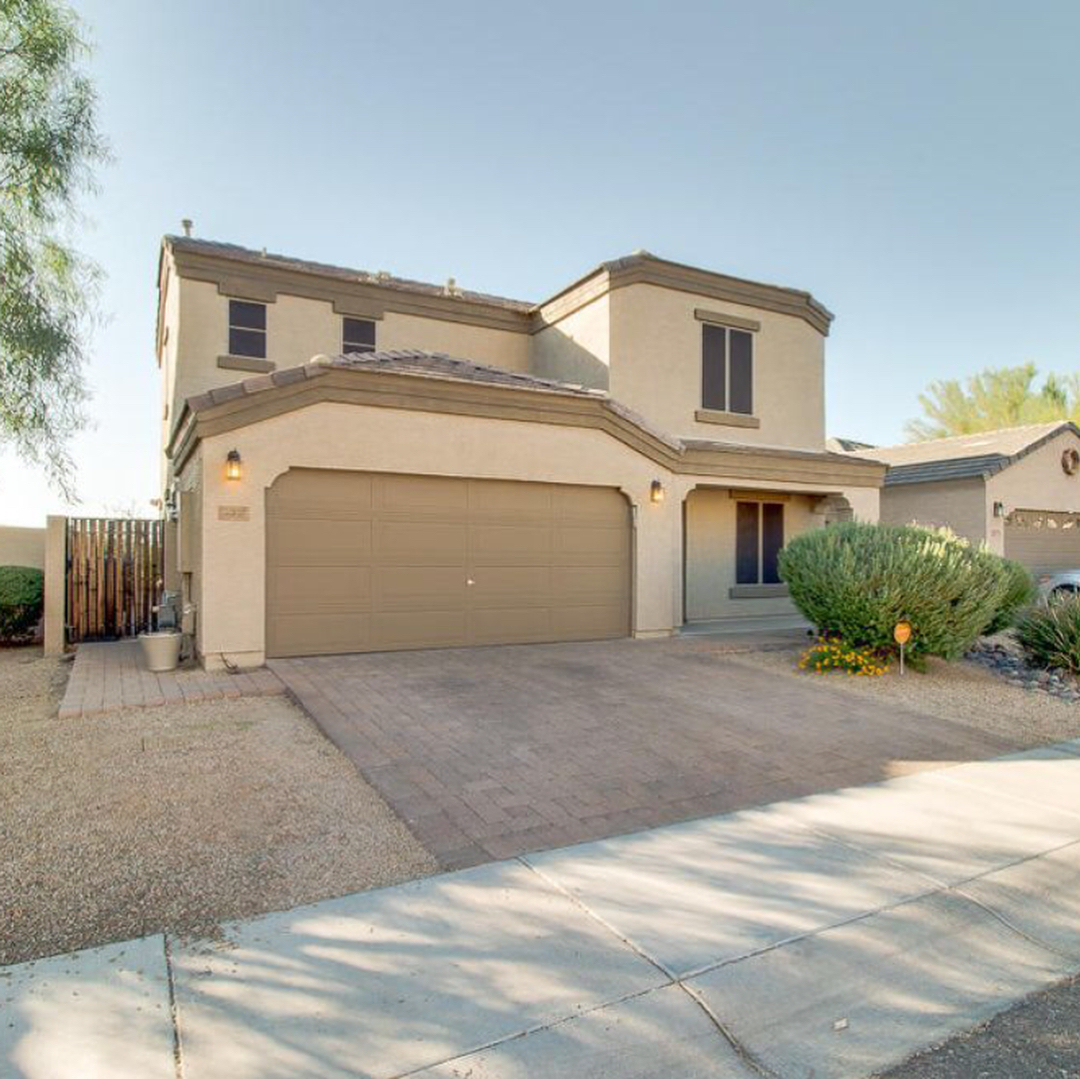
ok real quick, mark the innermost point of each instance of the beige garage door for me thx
(1043, 541)
(364, 562)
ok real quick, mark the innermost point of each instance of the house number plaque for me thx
(234, 513)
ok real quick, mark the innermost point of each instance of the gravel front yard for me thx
(965, 692)
(175, 817)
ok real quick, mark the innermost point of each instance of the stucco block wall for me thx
(710, 554)
(656, 368)
(956, 504)
(577, 347)
(1035, 482)
(22, 546)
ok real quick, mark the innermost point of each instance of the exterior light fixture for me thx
(999, 509)
(656, 491)
(233, 469)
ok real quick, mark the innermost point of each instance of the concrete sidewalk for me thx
(829, 936)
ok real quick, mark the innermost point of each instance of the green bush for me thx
(856, 581)
(1019, 595)
(22, 593)
(1050, 636)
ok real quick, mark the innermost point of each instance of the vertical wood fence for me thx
(114, 573)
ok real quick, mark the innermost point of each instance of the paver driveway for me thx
(492, 752)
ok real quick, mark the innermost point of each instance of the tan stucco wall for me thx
(576, 348)
(656, 368)
(710, 555)
(1035, 482)
(299, 328)
(956, 504)
(22, 546)
(230, 590)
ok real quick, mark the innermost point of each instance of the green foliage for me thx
(48, 145)
(1020, 592)
(855, 581)
(1005, 397)
(22, 592)
(1050, 636)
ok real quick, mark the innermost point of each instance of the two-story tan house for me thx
(360, 462)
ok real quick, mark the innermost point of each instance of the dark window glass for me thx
(714, 367)
(357, 335)
(247, 343)
(772, 539)
(247, 316)
(746, 543)
(247, 329)
(742, 372)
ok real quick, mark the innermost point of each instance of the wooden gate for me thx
(115, 568)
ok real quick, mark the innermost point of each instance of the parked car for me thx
(1058, 586)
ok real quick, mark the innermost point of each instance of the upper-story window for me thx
(247, 329)
(357, 335)
(727, 369)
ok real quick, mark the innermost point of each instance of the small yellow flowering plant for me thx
(831, 654)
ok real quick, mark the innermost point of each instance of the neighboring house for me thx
(455, 468)
(1017, 490)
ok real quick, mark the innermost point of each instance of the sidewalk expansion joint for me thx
(174, 1011)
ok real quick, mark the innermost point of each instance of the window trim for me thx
(760, 587)
(357, 346)
(231, 326)
(726, 415)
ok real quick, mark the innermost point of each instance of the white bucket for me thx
(161, 650)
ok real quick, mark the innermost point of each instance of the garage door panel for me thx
(391, 571)
(588, 585)
(414, 588)
(322, 543)
(589, 546)
(422, 495)
(322, 495)
(589, 505)
(320, 589)
(513, 625)
(588, 622)
(509, 544)
(419, 629)
(1043, 541)
(324, 633)
(510, 586)
(420, 543)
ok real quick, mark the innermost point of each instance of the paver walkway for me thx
(830, 936)
(492, 752)
(110, 675)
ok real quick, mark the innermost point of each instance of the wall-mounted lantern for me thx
(233, 466)
(999, 509)
(656, 491)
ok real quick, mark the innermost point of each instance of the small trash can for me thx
(161, 650)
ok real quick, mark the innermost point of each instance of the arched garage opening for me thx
(370, 561)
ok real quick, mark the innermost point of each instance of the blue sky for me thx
(916, 166)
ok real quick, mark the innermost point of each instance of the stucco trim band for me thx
(315, 384)
(721, 319)
(726, 419)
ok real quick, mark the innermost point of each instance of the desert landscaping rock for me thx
(173, 818)
(968, 691)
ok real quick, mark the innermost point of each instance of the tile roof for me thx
(396, 361)
(383, 280)
(962, 456)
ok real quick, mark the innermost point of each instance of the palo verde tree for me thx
(49, 145)
(1002, 397)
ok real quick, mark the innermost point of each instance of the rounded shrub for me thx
(1050, 636)
(1019, 594)
(22, 596)
(855, 581)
